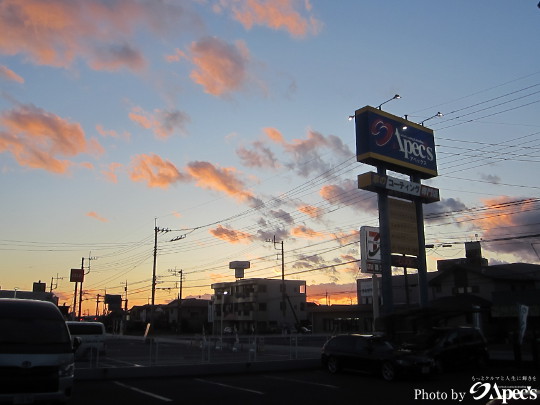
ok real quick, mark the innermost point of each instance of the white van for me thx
(36, 353)
(92, 336)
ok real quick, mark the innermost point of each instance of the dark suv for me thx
(372, 354)
(452, 347)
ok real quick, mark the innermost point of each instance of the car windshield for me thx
(78, 329)
(33, 335)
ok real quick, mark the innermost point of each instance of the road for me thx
(301, 387)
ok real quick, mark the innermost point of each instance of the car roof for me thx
(29, 309)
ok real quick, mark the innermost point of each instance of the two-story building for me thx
(258, 305)
(189, 315)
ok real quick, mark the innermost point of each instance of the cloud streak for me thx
(293, 16)
(9, 74)
(93, 214)
(42, 140)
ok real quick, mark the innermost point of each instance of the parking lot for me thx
(313, 386)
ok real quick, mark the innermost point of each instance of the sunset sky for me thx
(225, 122)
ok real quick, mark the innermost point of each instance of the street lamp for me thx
(439, 114)
(223, 294)
(393, 98)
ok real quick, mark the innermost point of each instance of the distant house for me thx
(188, 315)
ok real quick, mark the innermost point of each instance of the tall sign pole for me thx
(386, 266)
(422, 261)
(393, 143)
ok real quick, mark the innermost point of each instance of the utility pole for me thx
(156, 230)
(82, 269)
(283, 292)
(179, 301)
(97, 305)
(81, 291)
(126, 301)
(55, 285)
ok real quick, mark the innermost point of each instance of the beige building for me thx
(258, 305)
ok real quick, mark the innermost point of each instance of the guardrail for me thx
(137, 351)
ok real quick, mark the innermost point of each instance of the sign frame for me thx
(398, 144)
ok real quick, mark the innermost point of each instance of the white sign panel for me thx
(370, 250)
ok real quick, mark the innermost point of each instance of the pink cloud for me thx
(274, 135)
(112, 133)
(220, 67)
(302, 231)
(110, 172)
(9, 74)
(225, 180)
(56, 32)
(293, 16)
(94, 215)
(312, 211)
(231, 235)
(162, 123)
(155, 171)
(38, 139)
(176, 56)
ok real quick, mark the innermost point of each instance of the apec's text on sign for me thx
(399, 144)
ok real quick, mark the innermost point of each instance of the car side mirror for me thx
(76, 343)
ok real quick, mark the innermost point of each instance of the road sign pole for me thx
(386, 268)
(422, 265)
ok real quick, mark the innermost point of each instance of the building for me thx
(30, 295)
(188, 315)
(497, 291)
(404, 287)
(258, 305)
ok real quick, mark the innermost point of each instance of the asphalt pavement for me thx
(172, 355)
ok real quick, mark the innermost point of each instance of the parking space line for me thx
(150, 394)
(302, 381)
(229, 386)
(125, 362)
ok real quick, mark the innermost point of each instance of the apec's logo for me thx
(382, 131)
(410, 147)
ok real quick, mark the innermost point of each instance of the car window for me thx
(470, 336)
(341, 343)
(361, 344)
(381, 346)
(452, 338)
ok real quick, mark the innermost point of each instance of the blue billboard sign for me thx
(384, 139)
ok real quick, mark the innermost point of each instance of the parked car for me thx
(36, 353)
(372, 354)
(92, 336)
(451, 347)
